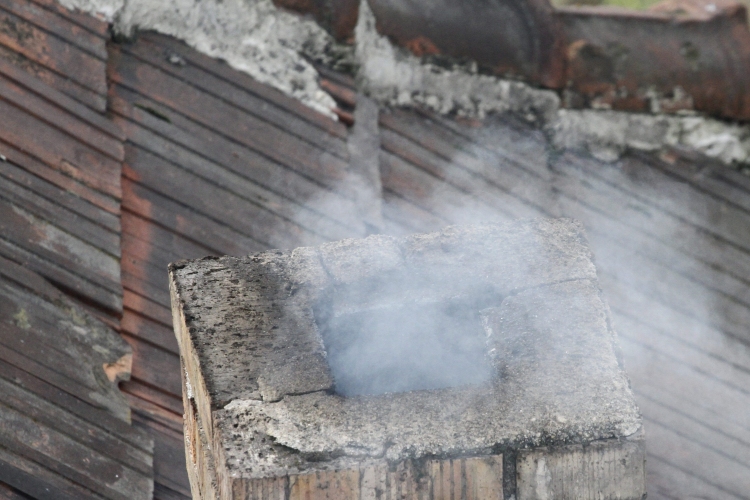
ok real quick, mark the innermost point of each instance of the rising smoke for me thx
(667, 256)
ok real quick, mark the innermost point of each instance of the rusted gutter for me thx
(679, 55)
(517, 38)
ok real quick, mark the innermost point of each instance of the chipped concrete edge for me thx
(275, 47)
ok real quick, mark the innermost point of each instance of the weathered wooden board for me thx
(61, 48)
(66, 424)
(150, 51)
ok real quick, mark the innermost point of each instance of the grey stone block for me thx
(262, 338)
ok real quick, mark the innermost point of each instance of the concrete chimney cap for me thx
(249, 330)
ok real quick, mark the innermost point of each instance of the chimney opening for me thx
(409, 346)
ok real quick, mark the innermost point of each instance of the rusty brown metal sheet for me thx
(339, 17)
(519, 38)
(681, 54)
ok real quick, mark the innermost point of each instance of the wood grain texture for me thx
(65, 422)
(63, 49)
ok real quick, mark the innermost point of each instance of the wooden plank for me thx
(153, 404)
(30, 343)
(588, 192)
(170, 469)
(64, 121)
(678, 199)
(65, 456)
(155, 366)
(60, 275)
(487, 179)
(38, 481)
(58, 98)
(56, 418)
(150, 52)
(660, 284)
(52, 376)
(94, 24)
(229, 121)
(430, 193)
(703, 175)
(733, 375)
(685, 407)
(70, 188)
(28, 231)
(147, 308)
(510, 141)
(94, 415)
(716, 281)
(665, 479)
(8, 492)
(649, 368)
(57, 25)
(58, 150)
(215, 202)
(149, 237)
(41, 47)
(69, 326)
(636, 306)
(52, 209)
(133, 280)
(324, 220)
(78, 287)
(62, 327)
(75, 92)
(162, 492)
(178, 218)
(709, 465)
(408, 216)
(48, 192)
(732, 449)
(248, 83)
(199, 150)
(423, 132)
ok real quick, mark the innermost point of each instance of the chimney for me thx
(478, 362)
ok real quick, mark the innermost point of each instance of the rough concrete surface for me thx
(260, 388)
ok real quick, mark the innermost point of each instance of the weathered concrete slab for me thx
(264, 389)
